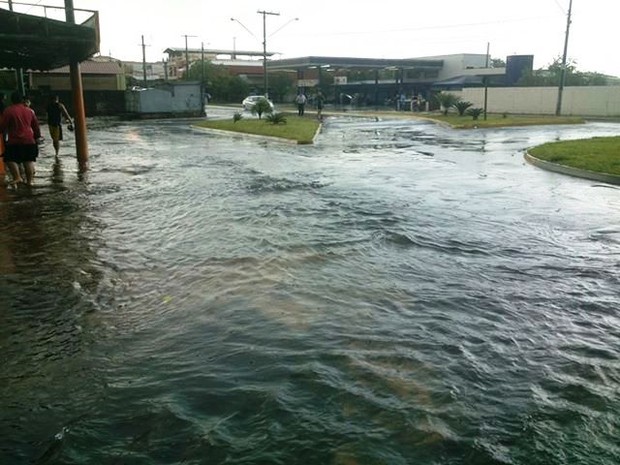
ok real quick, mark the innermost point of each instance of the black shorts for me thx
(20, 153)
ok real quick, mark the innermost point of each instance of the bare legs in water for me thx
(15, 171)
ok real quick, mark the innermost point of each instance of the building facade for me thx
(98, 74)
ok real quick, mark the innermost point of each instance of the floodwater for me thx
(397, 293)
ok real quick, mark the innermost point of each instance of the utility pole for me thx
(203, 88)
(264, 13)
(558, 108)
(186, 57)
(486, 82)
(265, 78)
(144, 62)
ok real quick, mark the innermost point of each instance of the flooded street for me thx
(397, 293)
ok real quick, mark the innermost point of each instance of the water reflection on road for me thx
(397, 293)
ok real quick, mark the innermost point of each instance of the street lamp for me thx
(243, 26)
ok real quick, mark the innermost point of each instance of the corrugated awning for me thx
(37, 43)
(456, 81)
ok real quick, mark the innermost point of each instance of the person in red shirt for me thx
(2, 171)
(22, 128)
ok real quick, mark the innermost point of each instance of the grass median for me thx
(500, 120)
(299, 129)
(598, 154)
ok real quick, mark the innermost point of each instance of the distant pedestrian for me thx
(422, 104)
(55, 111)
(301, 103)
(207, 99)
(320, 100)
(402, 99)
(22, 128)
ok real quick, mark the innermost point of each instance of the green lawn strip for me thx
(467, 122)
(599, 154)
(498, 121)
(297, 129)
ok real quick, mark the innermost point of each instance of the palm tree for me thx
(261, 106)
(475, 112)
(447, 100)
(461, 106)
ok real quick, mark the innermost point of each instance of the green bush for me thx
(461, 106)
(447, 100)
(276, 118)
(237, 117)
(475, 112)
(261, 106)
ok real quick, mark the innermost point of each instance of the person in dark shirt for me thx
(55, 111)
(320, 101)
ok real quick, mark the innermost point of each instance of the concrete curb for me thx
(258, 136)
(570, 171)
(221, 132)
(316, 134)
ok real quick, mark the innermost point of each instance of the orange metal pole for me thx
(81, 140)
(81, 143)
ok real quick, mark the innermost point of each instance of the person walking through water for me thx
(55, 112)
(320, 100)
(301, 103)
(22, 128)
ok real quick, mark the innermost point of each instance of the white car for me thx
(250, 101)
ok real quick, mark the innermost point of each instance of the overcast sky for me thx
(376, 29)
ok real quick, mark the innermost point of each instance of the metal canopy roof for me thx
(34, 42)
(460, 81)
(355, 63)
(215, 51)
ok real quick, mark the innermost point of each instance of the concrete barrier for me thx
(601, 101)
(570, 171)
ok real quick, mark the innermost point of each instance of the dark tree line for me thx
(550, 76)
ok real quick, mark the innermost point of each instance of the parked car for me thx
(251, 100)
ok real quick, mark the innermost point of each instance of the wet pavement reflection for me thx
(398, 292)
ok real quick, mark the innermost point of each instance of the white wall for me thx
(176, 98)
(578, 101)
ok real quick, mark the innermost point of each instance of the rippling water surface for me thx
(398, 293)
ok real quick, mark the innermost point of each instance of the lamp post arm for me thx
(283, 26)
(243, 26)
